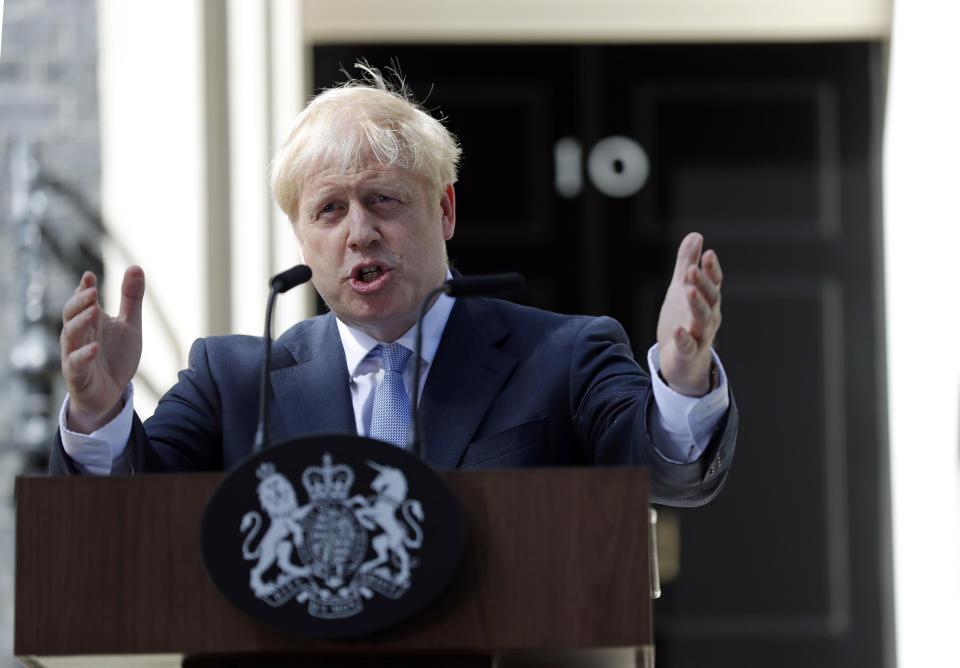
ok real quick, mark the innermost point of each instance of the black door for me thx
(583, 168)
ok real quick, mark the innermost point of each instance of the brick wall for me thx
(48, 107)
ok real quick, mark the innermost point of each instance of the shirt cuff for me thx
(682, 426)
(96, 452)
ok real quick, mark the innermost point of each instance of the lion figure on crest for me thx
(279, 500)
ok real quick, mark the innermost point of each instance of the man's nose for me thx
(361, 227)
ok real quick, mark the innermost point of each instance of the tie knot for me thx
(393, 356)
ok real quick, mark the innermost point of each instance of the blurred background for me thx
(813, 144)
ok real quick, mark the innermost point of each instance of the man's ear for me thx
(448, 209)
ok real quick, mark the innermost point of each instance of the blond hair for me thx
(359, 121)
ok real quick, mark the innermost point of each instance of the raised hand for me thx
(689, 318)
(99, 354)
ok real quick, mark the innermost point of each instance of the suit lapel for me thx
(467, 373)
(312, 395)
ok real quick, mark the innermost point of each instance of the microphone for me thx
(282, 282)
(488, 285)
(484, 285)
(291, 278)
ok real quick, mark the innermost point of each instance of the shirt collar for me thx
(357, 345)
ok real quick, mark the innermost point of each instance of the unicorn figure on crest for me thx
(381, 510)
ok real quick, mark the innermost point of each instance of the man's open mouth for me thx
(369, 274)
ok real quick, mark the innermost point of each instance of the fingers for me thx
(705, 279)
(76, 364)
(80, 328)
(700, 307)
(711, 265)
(686, 344)
(698, 279)
(690, 317)
(131, 295)
(705, 315)
(83, 295)
(77, 368)
(701, 290)
(82, 309)
(691, 269)
(81, 314)
(81, 300)
(88, 280)
(688, 255)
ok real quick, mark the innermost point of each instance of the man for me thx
(366, 178)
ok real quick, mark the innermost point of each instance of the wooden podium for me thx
(109, 572)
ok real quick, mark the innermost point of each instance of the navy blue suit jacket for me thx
(509, 386)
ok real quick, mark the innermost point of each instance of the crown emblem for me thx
(266, 469)
(328, 482)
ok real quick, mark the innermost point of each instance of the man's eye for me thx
(384, 198)
(324, 210)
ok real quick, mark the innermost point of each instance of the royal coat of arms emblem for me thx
(336, 550)
(332, 536)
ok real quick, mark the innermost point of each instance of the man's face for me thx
(375, 241)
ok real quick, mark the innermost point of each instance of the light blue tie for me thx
(391, 405)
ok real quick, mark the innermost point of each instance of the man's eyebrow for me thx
(325, 191)
(396, 186)
(315, 198)
(383, 181)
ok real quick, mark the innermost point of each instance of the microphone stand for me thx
(280, 283)
(487, 285)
